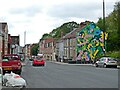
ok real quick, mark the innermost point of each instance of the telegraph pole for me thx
(104, 26)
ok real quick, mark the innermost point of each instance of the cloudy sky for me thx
(37, 17)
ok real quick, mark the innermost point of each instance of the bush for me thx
(114, 54)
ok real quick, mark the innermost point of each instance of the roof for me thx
(47, 40)
(3, 25)
(72, 34)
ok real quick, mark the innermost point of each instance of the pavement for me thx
(73, 64)
(23, 63)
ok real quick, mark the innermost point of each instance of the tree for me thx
(46, 35)
(100, 23)
(34, 50)
(64, 28)
(117, 9)
(112, 28)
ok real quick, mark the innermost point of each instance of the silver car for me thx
(0, 77)
(106, 61)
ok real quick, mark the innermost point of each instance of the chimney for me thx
(82, 24)
(62, 34)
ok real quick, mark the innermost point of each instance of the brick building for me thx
(15, 44)
(46, 47)
(3, 38)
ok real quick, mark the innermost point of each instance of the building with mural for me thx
(90, 42)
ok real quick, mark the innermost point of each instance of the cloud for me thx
(28, 11)
(37, 17)
(83, 10)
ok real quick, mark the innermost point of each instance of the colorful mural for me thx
(90, 42)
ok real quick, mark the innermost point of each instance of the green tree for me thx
(117, 9)
(34, 50)
(64, 28)
(46, 35)
(100, 23)
(112, 28)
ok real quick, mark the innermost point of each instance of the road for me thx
(68, 76)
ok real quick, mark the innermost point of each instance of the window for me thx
(71, 42)
(45, 45)
(50, 44)
(71, 52)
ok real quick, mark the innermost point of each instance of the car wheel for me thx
(105, 66)
(19, 71)
(3, 72)
(96, 65)
(115, 66)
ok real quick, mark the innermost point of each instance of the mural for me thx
(90, 42)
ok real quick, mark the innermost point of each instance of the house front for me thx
(3, 38)
(46, 47)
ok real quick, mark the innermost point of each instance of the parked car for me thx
(31, 59)
(0, 76)
(11, 62)
(106, 61)
(13, 80)
(39, 60)
(118, 61)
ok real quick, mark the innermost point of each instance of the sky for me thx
(36, 17)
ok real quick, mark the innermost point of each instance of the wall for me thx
(90, 42)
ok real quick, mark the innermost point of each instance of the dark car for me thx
(106, 61)
(31, 59)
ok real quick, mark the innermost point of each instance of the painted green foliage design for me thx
(90, 42)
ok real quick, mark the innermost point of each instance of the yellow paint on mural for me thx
(78, 40)
(106, 36)
(92, 57)
(102, 35)
(102, 44)
(96, 52)
(97, 43)
(89, 45)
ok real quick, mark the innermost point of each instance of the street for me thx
(69, 76)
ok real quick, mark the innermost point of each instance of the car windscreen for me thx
(39, 58)
(5, 58)
(111, 59)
